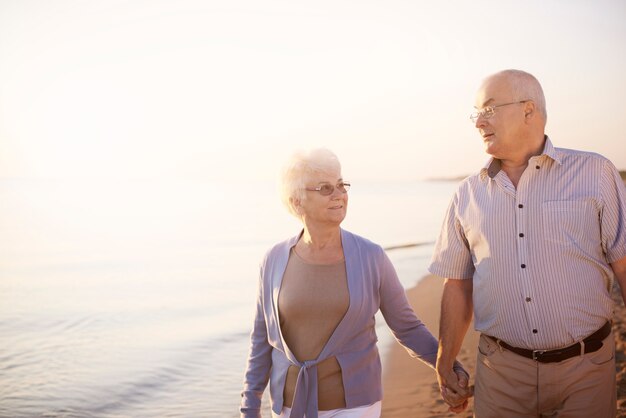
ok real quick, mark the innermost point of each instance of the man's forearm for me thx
(619, 269)
(456, 316)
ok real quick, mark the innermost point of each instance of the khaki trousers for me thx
(509, 385)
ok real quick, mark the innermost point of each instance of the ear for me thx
(297, 204)
(530, 110)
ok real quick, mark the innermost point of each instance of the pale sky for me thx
(227, 89)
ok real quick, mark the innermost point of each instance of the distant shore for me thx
(622, 174)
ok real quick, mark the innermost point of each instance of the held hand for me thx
(455, 389)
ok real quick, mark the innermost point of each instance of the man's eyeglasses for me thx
(489, 111)
(326, 189)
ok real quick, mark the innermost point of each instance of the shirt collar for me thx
(494, 165)
(550, 151)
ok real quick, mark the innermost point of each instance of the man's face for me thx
(502, 132)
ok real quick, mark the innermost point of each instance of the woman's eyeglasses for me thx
(326, 189)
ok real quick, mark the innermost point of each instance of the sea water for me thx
(135, 298)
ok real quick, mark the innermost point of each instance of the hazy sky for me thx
(227, 89)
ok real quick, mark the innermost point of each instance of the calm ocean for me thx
(135, 299)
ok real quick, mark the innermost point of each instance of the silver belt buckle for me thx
(537, 352)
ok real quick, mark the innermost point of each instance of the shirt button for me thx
(520, 206)
(521, 235)
(527, 299)
(535, 331)
(523, 266)
(537, 167)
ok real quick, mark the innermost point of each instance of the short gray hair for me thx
(526, 86)
(299, 170)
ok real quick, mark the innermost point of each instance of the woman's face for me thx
(320, 209)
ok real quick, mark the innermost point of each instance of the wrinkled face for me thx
(502, 133)
(320, 209)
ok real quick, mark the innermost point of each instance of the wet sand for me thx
(410, 387)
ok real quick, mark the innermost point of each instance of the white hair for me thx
(299, 170)
(526, 86)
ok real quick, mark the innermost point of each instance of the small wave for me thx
(185, 378)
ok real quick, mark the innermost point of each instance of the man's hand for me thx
(455, 389)
(456, 315)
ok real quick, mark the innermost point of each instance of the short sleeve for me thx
(613, 216)
(452, 257)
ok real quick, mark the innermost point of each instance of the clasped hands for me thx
(454, 388)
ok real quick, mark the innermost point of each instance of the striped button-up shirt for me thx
(538, 255)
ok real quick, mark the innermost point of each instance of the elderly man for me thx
(531, 246)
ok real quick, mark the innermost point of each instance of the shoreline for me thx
(410, 387)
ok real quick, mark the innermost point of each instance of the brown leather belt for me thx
(591, 343)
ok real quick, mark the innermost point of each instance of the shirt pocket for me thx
(571, 222)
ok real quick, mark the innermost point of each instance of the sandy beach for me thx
(410, 387)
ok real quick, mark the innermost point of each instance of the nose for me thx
(480, 122)
(337, 194)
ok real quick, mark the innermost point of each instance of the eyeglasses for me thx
(326, 189)
(489, 111)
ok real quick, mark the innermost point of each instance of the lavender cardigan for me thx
(372, 285)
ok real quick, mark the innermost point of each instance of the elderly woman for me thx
(314, 336)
